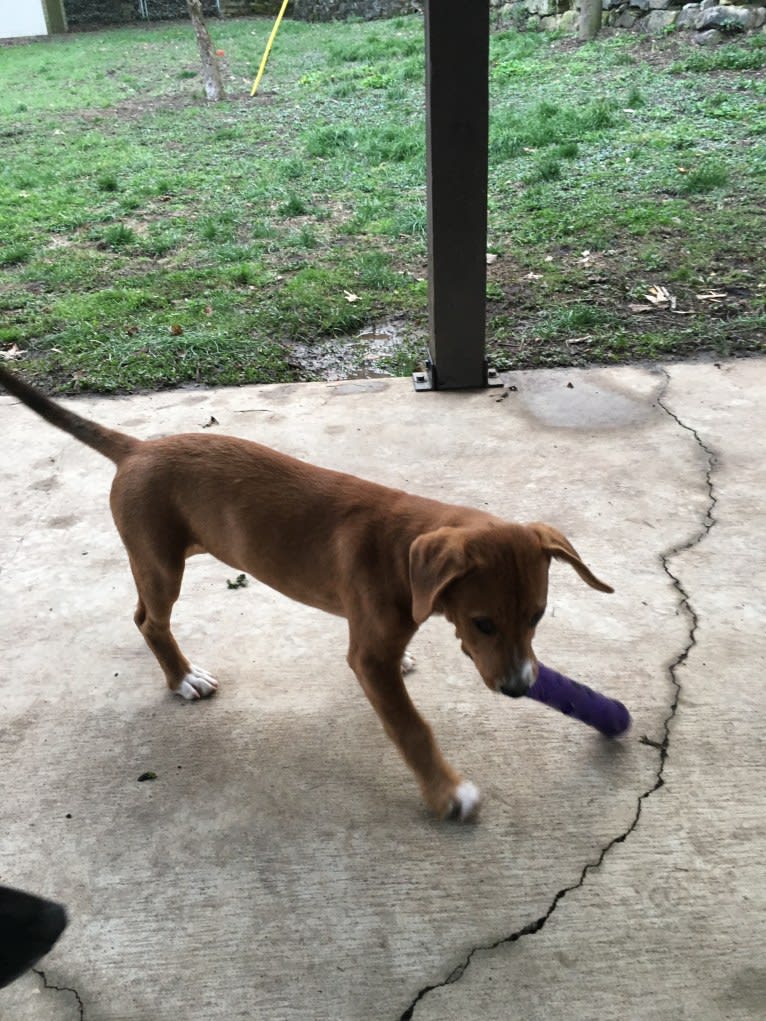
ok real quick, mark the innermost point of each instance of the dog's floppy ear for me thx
(436, 559)
(557, 545)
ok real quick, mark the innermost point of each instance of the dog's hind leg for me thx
(158, 581)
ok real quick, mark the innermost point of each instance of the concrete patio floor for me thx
(281, 865)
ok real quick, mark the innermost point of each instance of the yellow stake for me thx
(267, 51)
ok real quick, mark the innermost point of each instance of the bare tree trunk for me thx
(590, 20)
(210, 72)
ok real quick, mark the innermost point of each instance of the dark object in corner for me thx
(29, 926)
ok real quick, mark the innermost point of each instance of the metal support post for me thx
(457, 129)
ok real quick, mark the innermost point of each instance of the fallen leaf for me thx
(176, 329)
(14, 351)
(712, 296)
(491, 257)
(660, 296)
(350, 296)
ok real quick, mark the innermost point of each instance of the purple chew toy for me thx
(572, 699)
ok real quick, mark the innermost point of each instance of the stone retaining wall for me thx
(711, 20)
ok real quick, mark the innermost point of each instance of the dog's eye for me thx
(485, 625)
(537, 618)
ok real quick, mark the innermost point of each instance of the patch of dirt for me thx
(625, 310)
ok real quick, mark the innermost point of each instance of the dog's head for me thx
(492, 584)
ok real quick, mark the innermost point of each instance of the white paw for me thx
(465, 802)
(408, 663)
(198, 683)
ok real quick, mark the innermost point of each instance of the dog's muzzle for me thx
(518, 682)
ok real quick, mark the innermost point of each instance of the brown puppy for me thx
(382, 558)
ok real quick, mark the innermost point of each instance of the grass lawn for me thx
(149, 238)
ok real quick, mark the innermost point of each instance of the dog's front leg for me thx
(381, 678)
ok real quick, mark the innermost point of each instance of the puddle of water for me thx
(362, 356)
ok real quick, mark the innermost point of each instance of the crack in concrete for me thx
(663, 746)
(62, 989)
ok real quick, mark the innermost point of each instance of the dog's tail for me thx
(112, 444)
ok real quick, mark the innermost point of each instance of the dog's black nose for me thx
(513, 692)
